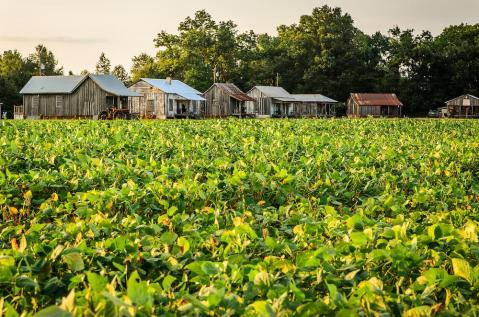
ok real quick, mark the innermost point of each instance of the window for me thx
(170, 102)
(195, 105)
(35, 105)
(59, 103)
(111, 101)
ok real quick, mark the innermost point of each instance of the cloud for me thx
(53, 39)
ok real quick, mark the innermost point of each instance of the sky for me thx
(77, 31)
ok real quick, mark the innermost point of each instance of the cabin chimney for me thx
(168, 80)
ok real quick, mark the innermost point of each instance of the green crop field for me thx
(227, 218)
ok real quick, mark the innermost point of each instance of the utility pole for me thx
(214, 75)
(277, 79)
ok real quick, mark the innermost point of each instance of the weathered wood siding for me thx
(462, 101)
(87, 101)
(218, 102)
(314, 109)
(357, 111)
(152, 103)
(262, 104)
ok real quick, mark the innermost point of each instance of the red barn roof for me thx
(376, 100)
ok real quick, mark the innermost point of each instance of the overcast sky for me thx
(77, 31)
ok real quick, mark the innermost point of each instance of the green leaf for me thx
(53, 311)
(421, 311)
(96, 281)
(463, 269)
(167, 281)
(172, 211)
(137, 290)
(7, 268)
(246, 229)
(359, 239)
(74, 261)
(263, 309)
(168, 237)
(184, 244)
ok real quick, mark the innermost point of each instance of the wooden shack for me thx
(314, 105)
(73, 96)
(167, 98)
(226, 99)
(465, 106)
(375, 105)
(270, 101)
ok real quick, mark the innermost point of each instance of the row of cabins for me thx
(89, 96)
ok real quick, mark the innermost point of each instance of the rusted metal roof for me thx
(233, 91)
(376, 99)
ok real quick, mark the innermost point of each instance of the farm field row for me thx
(225, 218)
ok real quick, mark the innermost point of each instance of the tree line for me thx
(323, 53)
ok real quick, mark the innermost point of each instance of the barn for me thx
(270, 101)
(73, 96)
(226, 99)
(465, 106)
(314, 105)
(167, 98)
(375, 105)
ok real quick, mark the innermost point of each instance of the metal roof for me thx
(39, 85)
(113, 85)
(376, 99)
(274, 92)
(176, 87)
(462, 97)
(52, 84)
(233, 91)
(285, 99)
(313, 98)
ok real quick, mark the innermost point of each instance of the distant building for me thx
(376, 105)
(167, 98)
(314, 105)
(465, 106)
(73, 96)
(270, 101)
(225, 99)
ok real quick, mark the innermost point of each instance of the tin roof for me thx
(52, 84)
(274, 92)
(376, 99)
(233, 91)
(113, 85)
(38, 85)
(313, 98)
(175, 87)
(462, 97)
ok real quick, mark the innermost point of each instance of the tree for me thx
(45, 62)
(120, 73)
(15, 71)
(103, 67)
(322, 53)
(144, 66)
(203, 51)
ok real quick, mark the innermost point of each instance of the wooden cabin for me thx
(465, 106)
(270, 101)
(224, 99)
(375, 105)
(167, 98)
(314, 105)
(73, 96)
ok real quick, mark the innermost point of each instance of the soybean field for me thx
(239, 218)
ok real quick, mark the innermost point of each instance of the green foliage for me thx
(103, 66)
(269, 218)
